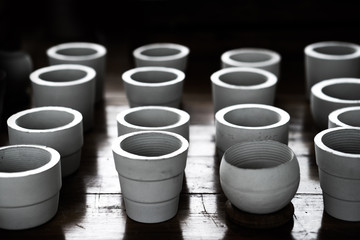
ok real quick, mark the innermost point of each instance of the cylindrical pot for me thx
(250, 122)
(337, 152)
(158, 86)
(84, 53)
(30, 183)
(259, 177)
(252, 57)
(153, 118)
(329, 95)
(162, 54)
(238, 85)
(345, 117)
(66, 85)
(330, 59)
(150, 165)
(56, 127)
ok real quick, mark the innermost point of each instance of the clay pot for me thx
(252, 57)
(250, 122)
(56, 127)
(259, 177)
(30, 182)
(158, 86)
(66, 85)
(84, 53)
(151, 166)
(162, 54)
(238, 85)
(338, 158)
(153, 118)
(330, 59)
(345, 117)
(332, 94)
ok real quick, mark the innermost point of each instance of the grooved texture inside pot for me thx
(346, 141)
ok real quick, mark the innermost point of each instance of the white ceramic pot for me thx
(252, 57)
(162, 54)
(153, 118)
(330, 59)
(30, 183)
(56, 127)
(250, 122)
(66, 85)
(337, 152)
(345, 117)
(150, 165)
(238, 85)
(332, 94)
(259, 177)
(84, 53)
(159, 86)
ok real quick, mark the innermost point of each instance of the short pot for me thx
(345, 117)
(330, 59)
(56, 127)
(158, 86)
(338, 158)
(150, 165)
(259, 177)
(332, 94)
(30, 183)
(153, 118)
(252, 57)
(162, 54)
(250, 122)
(84, 53)
(238, 85)
(66, 85)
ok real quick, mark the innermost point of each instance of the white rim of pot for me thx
(98, 51)
(269, 78)
(180, 117)
(128, 76)
(336, 116)
(266, 57)
(54, 159)
(181, 50)
(89, 75)
(353, 50)
(284, 117)
(13, 120)
(318, 89)
(116, 147)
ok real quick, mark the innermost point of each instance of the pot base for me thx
(341, 209)
(259, 221)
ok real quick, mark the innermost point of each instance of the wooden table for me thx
(91, 204)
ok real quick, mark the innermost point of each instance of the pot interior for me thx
(63, 75)
(345, 91)
(77, 51)
(46, 119)
(242, 78)
(351, 118)
(252, 117)
(153, 76)
(160, 52)
(335, 50)
(250, 57)
(344, 140)
(152, 118)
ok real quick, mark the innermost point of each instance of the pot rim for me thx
(54, 160)
(270, 80)
(334, 115)
(183, 51)
(310, 50)
(90, 74)
(127, 76)
(100, 51)
(284, 116)
(274, 57)
(317, 89)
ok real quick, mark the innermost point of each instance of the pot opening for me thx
(151, 144)
(152, 118)
(345, 91)
(153, 76)
(252, 117)
(351, 118)
(19, 159)
(63, 75)
(46, 119)
(77, 51)
(344, 140)
(250, 57)
(243, 78)
(258, 155)
(335, 50)
(160, 52)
